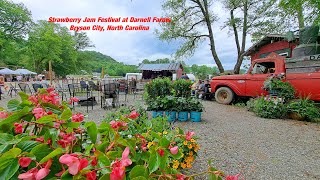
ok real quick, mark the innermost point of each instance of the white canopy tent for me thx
(24, 71)
(7, 71)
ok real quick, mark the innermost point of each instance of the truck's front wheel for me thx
(224, 95)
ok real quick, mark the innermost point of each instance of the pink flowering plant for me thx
(41, 138)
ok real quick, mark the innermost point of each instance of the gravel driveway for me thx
(239, 142)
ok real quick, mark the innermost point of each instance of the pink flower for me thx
(119, 124)
(134, 115)
(161, 152)
(42, 173)
(18, 128)
(24, 161)
(39, 112)
(77, 117)
(50, 89)
(180, 177)
(29, 175)
(189, 135)
(74, 163)
(66, 139)
(233, 177)
(3, 115)
(73, 99)
(174, 150)
(91, 175)
(119, 167)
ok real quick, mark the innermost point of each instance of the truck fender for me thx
(229, 85)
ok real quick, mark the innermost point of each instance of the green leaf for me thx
(13, 105)
(163, 160)
(164, 142)
(5, 138)
(103, 161)
(8, 171)
(156, 135)
(66, 176)
(72, 125)
(46, 119)
(15, 117)
(138, 170)
(154, 162)
(66, 114)
(92, 131)
(41, 151)
(23, 96)
(54, 153)
(105, 177)
(5, 148)
(139, 178)
(27, 146)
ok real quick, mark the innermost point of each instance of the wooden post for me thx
(50, 73)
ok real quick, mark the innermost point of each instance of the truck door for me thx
(256, 77)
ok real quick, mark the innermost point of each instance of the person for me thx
(195, 87)
(184, 76)
(201, 89)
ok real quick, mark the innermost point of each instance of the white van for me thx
(136, 76)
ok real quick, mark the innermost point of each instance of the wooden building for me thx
(152, 71)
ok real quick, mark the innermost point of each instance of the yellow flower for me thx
(190, 146)
(189, 165)
(165, 132)
(175, 166)
(150, 144)
(196, 148)
(185, 143)
(177, 130)
(183, 165)
(159, 133)
(192, 140)
(190, 153)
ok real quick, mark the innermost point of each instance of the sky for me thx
(131, 47)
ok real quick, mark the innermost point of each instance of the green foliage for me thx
(304, 108)
(269, 107)
(195, 104)
(159, 87)
(182, 88)
(281, 88)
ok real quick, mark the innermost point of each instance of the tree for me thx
(188, 18)
(82, 41)
(251, 14)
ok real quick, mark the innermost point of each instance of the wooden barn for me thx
(152, 71)
(279, 44)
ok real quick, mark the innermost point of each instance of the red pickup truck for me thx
(305, 79)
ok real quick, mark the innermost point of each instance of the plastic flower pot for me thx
(183, 116)
(172, 115)
(195, 116)
(159, 113)
(154, 114)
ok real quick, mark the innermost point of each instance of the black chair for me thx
(61, 90)
(93, 86)
(24, 87)
(110, 90)
(83, 85)
(207, 95)
(12, 88)
(36, 87)
(86, 100)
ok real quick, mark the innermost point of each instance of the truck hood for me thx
(230, 77)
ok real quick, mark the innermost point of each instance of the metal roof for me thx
(159, 67)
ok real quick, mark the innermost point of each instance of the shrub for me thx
(281, 88)
(270, 107)
(195, 105)
(305, 108)
(182, 88)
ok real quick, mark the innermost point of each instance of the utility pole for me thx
(50, 73)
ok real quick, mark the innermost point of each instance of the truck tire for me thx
(224, 95)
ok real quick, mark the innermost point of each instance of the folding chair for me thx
(139, 90)
(61, 90)
(36, 87)
(110, 90)
(93, 86)
(24, 87)
(12, 88)
(83, 100)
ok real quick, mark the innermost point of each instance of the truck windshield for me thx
(263, 68)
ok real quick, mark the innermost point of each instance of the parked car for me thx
(303, 74)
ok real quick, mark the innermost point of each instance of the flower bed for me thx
(40, 138)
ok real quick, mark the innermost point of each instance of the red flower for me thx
(94, 161)
(74, 164)
(35, 174)
(189, 135)
(233, 177)
(18, 128)
(3, 115)
(91, 175)
(50, 89)
(77, 117)
(24, 161)
(161, 152)
(174, 150)
(119, 167)
(73, 99)
(180, 177)
(66, 139)
(39, 112)
(29, 175)
(134, 115)
(33, 99)
(119, 124)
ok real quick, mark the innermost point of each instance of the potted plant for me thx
(303, 109)
(171, 108)
(196, 109)
(183, 110)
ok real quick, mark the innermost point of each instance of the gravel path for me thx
(239, 142)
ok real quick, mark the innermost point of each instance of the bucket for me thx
(172, 115)
(183, 116)
(195, 116)
(159, 113)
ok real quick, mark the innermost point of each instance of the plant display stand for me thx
(183, 116)
(195, 116)
(172, 116)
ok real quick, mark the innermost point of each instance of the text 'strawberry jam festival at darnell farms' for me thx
(109, 27)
